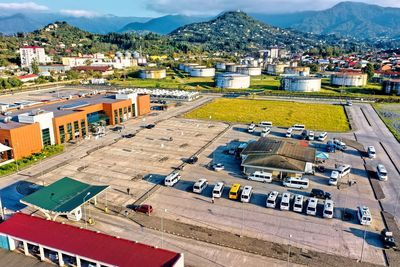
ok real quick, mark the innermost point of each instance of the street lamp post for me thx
(84, 200)
(288, 256)
(162, 228)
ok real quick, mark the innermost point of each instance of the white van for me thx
(333, 180)
(218, 189)
(246, 194)
(289, 132)
(371, 152)
(265, 131)
(339, 144)
(364, 215)
(382, 172)
(285, 202)
(322, 136)
(310, 135)
(251, 128)
(296, 182)
(272, 199)
(343, 170)
(172, 179)
(298, 127)
(260, 176)
(312, 206)
(199, 186)
(265, 124)
(328, 209)
(298, 203)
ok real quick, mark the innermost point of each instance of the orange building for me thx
(29, 130)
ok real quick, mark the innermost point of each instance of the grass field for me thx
(390, 114)
(320, 117)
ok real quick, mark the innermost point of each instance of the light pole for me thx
(288, 256)
(162, 228)
(84, 200)
(362, 248)
(41, 165)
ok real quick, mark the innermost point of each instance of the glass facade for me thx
(69, 129)
(96, 117)
(115, 116)
(121, 118)
(76, 129)
(83, 127)
(62, 133)
(46, 137)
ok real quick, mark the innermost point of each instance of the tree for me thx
(369, 69)
(35, 67)
(14, 82)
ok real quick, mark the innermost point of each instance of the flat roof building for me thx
(84, 246)
(62, 121)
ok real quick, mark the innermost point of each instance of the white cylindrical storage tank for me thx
(181, 66)
(232, 81)
(251, 71)
(202, 72)
(301, 84)
(233, 67)
(349, 79)
(220, 66)
(304, 71)
(391, 86)
(276, 69)
(189, 66)
(153, 74)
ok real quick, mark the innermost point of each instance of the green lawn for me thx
(390, 114)
(322, 117)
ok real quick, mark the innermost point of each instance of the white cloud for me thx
(28, 6)
(197, 7)
(79, 13)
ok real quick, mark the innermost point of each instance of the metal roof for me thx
(63, 196)
(274, 162)
(98, 247)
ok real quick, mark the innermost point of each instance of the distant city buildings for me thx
(31, 54)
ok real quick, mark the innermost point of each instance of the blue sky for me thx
(154, 8)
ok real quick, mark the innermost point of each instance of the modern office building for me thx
(62, 121)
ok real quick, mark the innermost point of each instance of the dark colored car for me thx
(330, 146)
(144, 208)
(318, 193)
(192, 160)
(150, 126)
(388, 239)
(128, 135)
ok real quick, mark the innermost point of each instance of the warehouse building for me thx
(232, 81)
(153, 74)
(202, 72)
(301, 84)
(73, 246)
(355, 79)
(59, 122)
(280, 157)
(251, 71)
(391, 86)
(302, 71)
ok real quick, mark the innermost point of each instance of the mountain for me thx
(346, 19)
(237, 31)
(163, 25)
(24, 22)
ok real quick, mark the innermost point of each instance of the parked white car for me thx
(218, 167)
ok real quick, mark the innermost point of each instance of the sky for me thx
(155, 8)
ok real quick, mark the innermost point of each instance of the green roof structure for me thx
(63, 196)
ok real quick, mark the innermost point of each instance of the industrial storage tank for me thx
(301, 84)
(251, 71)
(391, 86)
(202, 72)
(349, 79)
(153, 74)
(303, 71)
(276, 69)
(187, 67)
(233, 67)
(220, 66)
(232, 81)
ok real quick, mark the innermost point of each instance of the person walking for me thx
(212, 199)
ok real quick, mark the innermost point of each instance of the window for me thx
(133, 110)
(115, 116)
(69, 129)
(76, 128)
(83, 127)
(9, 152)
(125, 110)
(120, 115)
(129, 109)
(61, 130)
(46, 137)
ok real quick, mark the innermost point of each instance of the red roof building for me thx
(28, 78)
(98, 248)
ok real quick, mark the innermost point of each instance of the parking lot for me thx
(254, 219)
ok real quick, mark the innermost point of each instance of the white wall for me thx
(45, 121)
